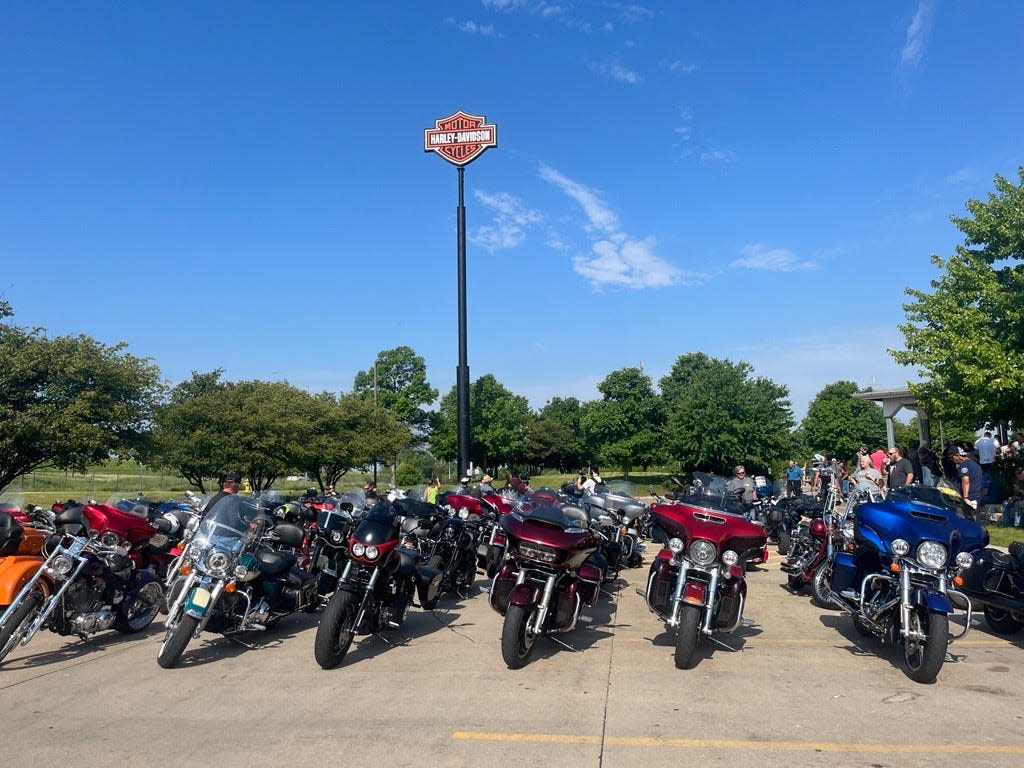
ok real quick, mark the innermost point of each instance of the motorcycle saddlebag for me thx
(428, 585)
(844, 573)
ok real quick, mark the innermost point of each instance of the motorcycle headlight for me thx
(358, 549)
(109, 539)
(900, 547)
(675, 546)
(964, 560)
(336, 537)
(371, 552)
(931, 554)
(538, 552)
(241, 571)
(730, 558)
(217, 563)
(703, 552)
(463, 513)
(61, 565)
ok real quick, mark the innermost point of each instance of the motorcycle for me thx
(20, 546)
(995, 581)
(87, 583)
(377, 586)
(816, 542)
(619, 513)
(551, 570)
(697, 583)
(233, 579)
(458, 545)
(898, 584)
(335, 522)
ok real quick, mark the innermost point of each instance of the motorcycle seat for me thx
(273, 563)
(10, 534)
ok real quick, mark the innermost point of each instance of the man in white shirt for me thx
(986, 447)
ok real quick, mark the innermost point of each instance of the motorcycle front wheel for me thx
(16, 626)
(175, 640)
(785, 540)
(517, 638)
(924, 659)
(688, 636)
(336, 629)
(821, 583)
(144, 606)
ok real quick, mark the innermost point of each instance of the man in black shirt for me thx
(229, 485)
(901, 471)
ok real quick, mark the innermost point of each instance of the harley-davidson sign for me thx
(460, 138)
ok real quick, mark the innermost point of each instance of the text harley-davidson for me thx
(697, 583)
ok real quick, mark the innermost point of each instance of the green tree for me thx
(966, 336)
(68, 401)
(557, 435)
(837, 422)
(397, 382)
(498, 423)
(718, 416)
(625, 424)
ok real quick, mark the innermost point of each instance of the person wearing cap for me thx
(969, 473)
(485, 484)
(229, 486)
(463, 488)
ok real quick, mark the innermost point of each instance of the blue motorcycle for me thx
(898, 583)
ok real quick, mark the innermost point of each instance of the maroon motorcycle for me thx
(697, 582)
(551, 570)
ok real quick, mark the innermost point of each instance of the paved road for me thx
(802, 689)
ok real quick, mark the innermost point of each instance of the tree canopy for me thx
(624, 426)
(68, 401)
(837, 422)
(397, 382)
(966, 336)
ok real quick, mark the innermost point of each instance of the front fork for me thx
(544, 606)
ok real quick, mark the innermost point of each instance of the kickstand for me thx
(724, 645)
(564, 644)
(242, 643)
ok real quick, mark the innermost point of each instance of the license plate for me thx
(199, 599)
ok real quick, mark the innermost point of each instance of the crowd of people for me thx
(969, 468)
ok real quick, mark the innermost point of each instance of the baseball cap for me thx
(232, 477)
(961, 452)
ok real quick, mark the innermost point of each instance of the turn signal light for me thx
(186, 569)
(229, 587)
(958, 580)
(894, 567)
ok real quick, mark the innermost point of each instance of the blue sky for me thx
(242, 184)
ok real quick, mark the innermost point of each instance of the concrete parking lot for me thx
(800, 688)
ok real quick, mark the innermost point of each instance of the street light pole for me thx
(462, 372)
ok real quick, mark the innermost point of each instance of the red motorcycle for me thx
(551, 570)
(697, 582)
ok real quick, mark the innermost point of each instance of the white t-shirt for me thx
(986, 448)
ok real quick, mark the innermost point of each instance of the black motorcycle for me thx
(995, 581)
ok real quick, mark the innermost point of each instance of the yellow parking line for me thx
(750, 642)
(794, 746)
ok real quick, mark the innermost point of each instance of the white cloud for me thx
(511, 221)
(504, 5)
(599, 215)
(616, 72)
(681, 67)
(917, 33)
(718, 156)
(487, 30)
(770, 260)
(961, 176)
(616, 259)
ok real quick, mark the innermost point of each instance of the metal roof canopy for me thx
(893, 400)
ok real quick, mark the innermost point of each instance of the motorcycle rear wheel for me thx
(175, 641)
(925, 660)
(145, 604)
(16, 626)
(517, 639)
(336, 630)
(1002, 621)
(687, 637)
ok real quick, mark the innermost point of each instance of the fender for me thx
(15, 572)
(524, 594)
(933, 600)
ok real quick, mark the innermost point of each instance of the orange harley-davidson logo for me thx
(460, 138)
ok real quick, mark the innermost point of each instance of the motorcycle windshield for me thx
(234, 523)
(378, 526)
(622, 488)
(352, 501)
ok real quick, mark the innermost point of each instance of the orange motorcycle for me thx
(20, 554)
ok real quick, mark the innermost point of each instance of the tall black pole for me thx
(462, 372)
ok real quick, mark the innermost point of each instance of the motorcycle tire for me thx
(16, 626)
(820, 584)
(687, 637)
(795, 582)
(517, 640)
(1002, 621)
(785, 541)
(145, 605)
(924, 661)
(175, 641)
(336, 630)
